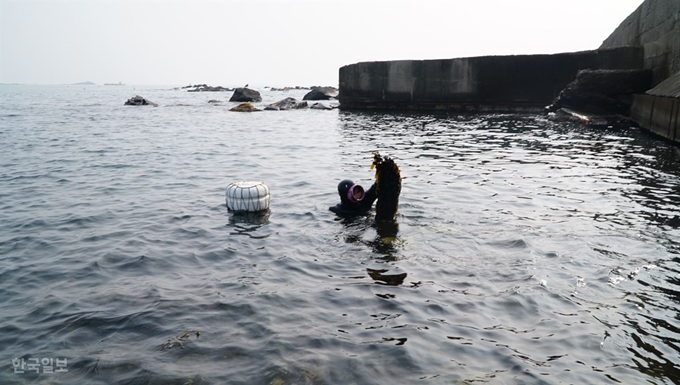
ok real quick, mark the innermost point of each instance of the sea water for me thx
(524, 250)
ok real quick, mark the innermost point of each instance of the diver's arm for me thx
(369, 197)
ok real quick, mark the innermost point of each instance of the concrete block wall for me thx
(659, 109)
(658, 114)
(655, 26)
(498, 83)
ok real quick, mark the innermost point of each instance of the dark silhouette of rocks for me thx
(206, 88)
(243, 94)
(288, 88)
(140, 101)
(321, 93)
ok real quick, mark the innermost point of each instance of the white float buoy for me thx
(247, 196)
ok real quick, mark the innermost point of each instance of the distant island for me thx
(114, 84)
(84, 84)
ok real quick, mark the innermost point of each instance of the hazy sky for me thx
(278, 43)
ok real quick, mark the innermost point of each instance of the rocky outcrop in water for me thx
(286, 104)
(602, 91)
(243, 94)
(288, 88)
(140, 101)
(320, 106)
(206, 88)
(245, 107)
(321, 93)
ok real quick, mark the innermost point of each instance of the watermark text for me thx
(40, 365)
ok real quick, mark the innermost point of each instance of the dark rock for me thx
(214, 101)
(614, 82)
(602, 91)
(243, 94)
(321, 93)
(139, 101)
(245, 107)
(287, 104)
(591, 102)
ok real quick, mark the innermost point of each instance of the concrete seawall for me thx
(659, 115)
(655, 26)
(659, 109)
(490, 83)
(648, 39)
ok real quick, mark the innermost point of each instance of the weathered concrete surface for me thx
(659, 109)
(655, 26)
(498, 83)
(669, 87)
(658, 114)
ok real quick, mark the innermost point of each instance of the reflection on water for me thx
(385, 241)
(591, 198)
(523, 251)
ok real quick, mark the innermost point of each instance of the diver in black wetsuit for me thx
(353, 199)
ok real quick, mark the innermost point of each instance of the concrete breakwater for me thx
(655, 26)
(489, 83)
(649, 39)
(658, 110)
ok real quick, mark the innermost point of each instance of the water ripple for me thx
(525, 251)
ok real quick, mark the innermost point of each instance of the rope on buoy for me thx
(247, 196)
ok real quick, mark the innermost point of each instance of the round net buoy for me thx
(247, 197)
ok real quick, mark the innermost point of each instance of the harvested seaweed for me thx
(388, 187)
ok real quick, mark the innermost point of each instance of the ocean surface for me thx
(524, 252)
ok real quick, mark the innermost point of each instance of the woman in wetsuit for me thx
(353, 199)
(386, 189)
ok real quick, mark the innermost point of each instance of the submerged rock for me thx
(320, 106)
(245, 107)
(140, 101)
(286, 104)
(243, 94)
(321, 93)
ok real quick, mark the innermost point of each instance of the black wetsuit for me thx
(348, 208)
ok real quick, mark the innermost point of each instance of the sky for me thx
(278, 43)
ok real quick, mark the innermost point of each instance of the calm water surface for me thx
(525, 251)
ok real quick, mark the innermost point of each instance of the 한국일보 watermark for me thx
(40, 365)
